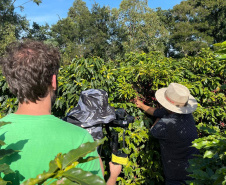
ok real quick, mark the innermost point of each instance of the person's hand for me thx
(138, 103)
(115, 169)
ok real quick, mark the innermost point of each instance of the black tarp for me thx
(92, 111)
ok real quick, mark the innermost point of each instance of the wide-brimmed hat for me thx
(176, 98)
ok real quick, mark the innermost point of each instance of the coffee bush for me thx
(140, 75)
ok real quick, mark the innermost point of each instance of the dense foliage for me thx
(133, 27)
(193, 25)
(209, 166)
(141, 75)
(12, 24)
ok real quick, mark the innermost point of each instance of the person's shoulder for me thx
(8, 118)
(180, 118)
(6, 123)
(183, 116)
(70, 127)
(160, 112)
(76, 130)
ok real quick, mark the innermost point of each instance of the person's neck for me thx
(42, 107)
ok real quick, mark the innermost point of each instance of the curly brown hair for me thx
(28, 67)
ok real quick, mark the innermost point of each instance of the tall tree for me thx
(104, 33)
(144, 28)
(197, 24)
(213, 13)
(186, 39)
(7, 35)
(11, 23)
(88, 33)
(71, 32)
(38, 32)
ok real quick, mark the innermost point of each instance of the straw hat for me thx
(176, 98)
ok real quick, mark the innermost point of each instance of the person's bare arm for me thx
(147, 109)
(115, 170)
(101, 165)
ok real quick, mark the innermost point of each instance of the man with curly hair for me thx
(31, 69)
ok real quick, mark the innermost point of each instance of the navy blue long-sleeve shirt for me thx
(175, 133)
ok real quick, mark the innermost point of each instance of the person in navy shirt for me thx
(175, 129)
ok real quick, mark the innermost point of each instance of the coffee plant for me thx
(140, 75)
(209, 167)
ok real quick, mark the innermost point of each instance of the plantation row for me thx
(141, 75)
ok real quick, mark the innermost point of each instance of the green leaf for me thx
(196, 90)
(199, 144)
(59, 160)
(52, 166)
(208, 129)
(2, 182)
(81, 151)
(4, 168)
(200, 90)
(223, 87)
(6, 152)
(37, 1)
(209, 171)
(39, 179)
(222, 57)
(83, 177)
(81, 160)
(201, 174)
(64, 181)
(2, 143)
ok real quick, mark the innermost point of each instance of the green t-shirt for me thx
(40, 139)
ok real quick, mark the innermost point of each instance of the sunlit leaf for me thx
(208, 154)
(83, 177)
(39, 179)
(81, 151)
(63, 181)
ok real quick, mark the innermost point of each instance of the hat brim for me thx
(189, 108)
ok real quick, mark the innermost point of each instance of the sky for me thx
(50, 11)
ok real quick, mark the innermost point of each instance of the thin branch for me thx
(22, 4)
(13, 2)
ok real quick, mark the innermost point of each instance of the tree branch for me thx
(22, 4)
